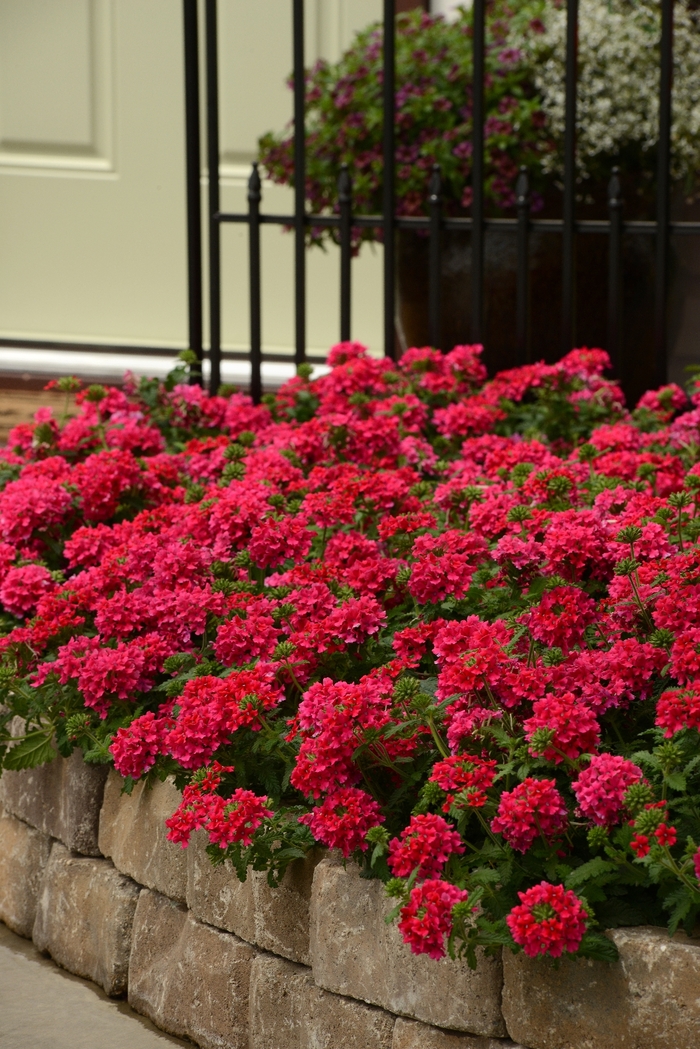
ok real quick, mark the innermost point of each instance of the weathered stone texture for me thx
(355, 953)
(132, 833)
(411, 1034)
(61, 799)
(189, 979)
(24, 852)
(275, 919)
(649, 999)
(215, 895)
(84, 918)
(282, 914)
(288, 1011)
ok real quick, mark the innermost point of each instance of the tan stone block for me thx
(355, 953)
(411, 1034)
(84, 918)
(215, 895)
(282, 914)
(132, 834)
(288, 1011)
(277, 997)
(24, 852)
(275, 919)
(189, 979)
(648, 999)
(61, 799)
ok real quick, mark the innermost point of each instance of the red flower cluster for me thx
(601, 787)
(535, 807)
(426, 920)
(378, 612)
(426, 844)
(548, 920)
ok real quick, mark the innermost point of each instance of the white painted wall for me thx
(448, 8)
(92, 186)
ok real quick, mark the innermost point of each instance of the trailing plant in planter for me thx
(448, 626)
(344, 118)
(524, 106)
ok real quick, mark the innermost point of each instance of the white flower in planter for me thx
(618, 80)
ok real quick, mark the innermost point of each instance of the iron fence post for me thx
(389, 189)
(614, 271)
(213, 196)
(299, 181)
(568, 284)
(435, 209)
(193, 169)
(478, 43)
(663, 177)
(345, 237)
(522, 203)
(254, 198)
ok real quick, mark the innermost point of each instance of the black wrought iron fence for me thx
(434, 223)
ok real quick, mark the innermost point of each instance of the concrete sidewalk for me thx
(43, 1007)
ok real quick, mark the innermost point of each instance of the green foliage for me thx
(433, 72)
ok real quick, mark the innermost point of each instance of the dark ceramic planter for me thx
(544, 341)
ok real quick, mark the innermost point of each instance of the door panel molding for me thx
(56, 86)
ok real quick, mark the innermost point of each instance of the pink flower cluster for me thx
(374, 611)
(549, 920)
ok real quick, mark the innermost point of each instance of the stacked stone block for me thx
(87, 871)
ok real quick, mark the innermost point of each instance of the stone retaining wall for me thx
(87, 872)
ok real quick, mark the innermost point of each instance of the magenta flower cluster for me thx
(445, 624)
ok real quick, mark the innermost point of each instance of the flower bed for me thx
(443, 624)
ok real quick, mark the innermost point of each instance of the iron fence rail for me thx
(434, 223)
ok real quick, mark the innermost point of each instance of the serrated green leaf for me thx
(598, 947)
(36, 749)
(676, 780)
(588, 871)
(679, 904)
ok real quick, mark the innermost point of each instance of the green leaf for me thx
(676, 780)
(678, 903)
(587, 871)
(36, 749)
(598, 947)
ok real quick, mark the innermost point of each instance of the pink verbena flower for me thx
(532, 808)
(241, 640)
(24, 587)
(574, 727)
(356, 619)
(444, 565)
(549, 920)
(273, 541)
(426, 843)
(601, 787)
(666, 836)
(111, 673)
(33, 503)
(226, 820)
(87, 546)
(696, 864)
(464, 774)
(236, 819)
(426, 920)
(640, 845)
(678, 710)
(521, 553)
(561, 617)
(685, 656)
(342, 820)
(136, 747)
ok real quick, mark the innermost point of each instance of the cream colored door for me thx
(92, 194)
